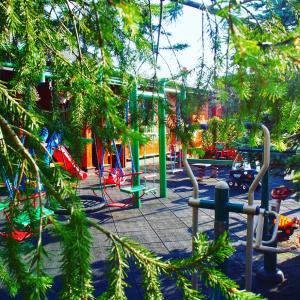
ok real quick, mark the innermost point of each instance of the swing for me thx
(20, 229)
(151, 175)
(104, 182)
(175, 122)
(173, 158)
(116, 177)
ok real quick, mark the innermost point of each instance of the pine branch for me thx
(7, 280)
(203, 261)
(17, 111)
(76, 243)
(116, 273)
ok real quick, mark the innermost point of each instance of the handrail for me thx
(189, 172)
(265, 166)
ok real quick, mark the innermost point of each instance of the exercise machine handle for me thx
(258, 241)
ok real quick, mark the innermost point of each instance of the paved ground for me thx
(164, 226)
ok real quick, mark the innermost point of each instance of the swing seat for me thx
(149, 176)
(24, 218)
(4, 205)
(151, 190)
(177, 170)
(17, 235)
(103, 186)
(110, 180)
(132, 189)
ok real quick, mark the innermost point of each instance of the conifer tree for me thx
(82, 43)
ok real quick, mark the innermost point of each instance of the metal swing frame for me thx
(118, 179)
(24, 219)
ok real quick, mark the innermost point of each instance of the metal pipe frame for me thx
(250, 220)
(195, 198)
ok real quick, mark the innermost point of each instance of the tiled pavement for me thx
(164, 226)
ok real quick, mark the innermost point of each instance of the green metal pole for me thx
(133, 106)
(162, 143)
(221, 213)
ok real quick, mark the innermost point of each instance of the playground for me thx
(149, 149)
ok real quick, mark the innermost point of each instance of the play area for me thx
(149, 150)
(165, 226)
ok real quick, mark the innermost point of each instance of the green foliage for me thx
(259, 74)
(7, 280)
(117, 274)
(227, 131)
(263, 64)
(32, 284)
(76, 268)
(176, 47)
(83, 43)
(197, 152)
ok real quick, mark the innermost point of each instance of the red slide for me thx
(62, 155)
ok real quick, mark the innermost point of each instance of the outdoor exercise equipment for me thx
(259, 235)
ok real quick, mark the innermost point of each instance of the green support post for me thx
(221, 208)
(133, 106)
(221, 220)
(162, 143)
